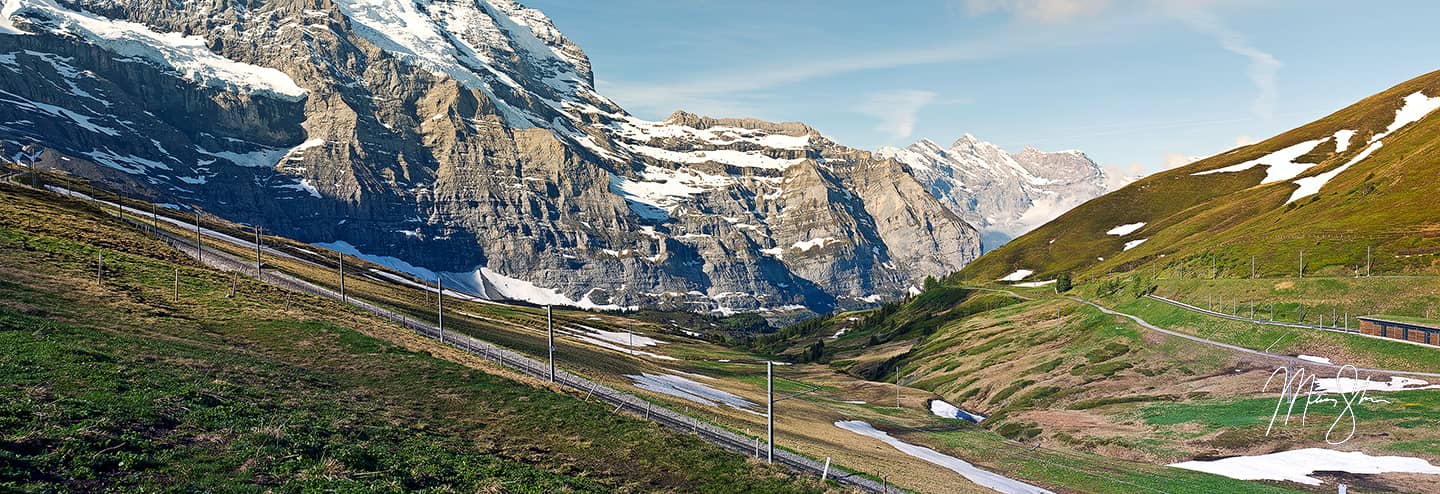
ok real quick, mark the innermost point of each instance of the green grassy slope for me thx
(1199, 226)
(115, 385)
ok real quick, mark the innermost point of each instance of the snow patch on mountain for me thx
(1280, 165)
(189, 56)
(1416, 106)
(1018, 275)
(1124, 230)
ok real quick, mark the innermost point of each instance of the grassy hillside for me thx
(1202, 226)
(1053, 372)
(113, 384)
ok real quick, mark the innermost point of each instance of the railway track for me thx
(664, 416)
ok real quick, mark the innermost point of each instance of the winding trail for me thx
(1289, 360)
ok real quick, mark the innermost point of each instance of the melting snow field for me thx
(1417, 106)
(614, 340)
(1035, 284)
(943, 409)
(689, 390)
(1281, 165)
(1018, 275)
(1351, 385)
(1124, 230)
(189, 56)
(992, 480)
(1312, 358)
(1134, 243)
(1297, 465)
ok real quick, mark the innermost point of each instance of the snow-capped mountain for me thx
(459, 137)
(1002, 194)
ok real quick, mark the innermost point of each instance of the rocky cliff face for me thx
(465, 138)
(1002, 194)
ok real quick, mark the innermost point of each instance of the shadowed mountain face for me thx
(1351, 190)
(461, 137)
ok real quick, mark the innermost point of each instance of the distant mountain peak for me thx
(1002, 194)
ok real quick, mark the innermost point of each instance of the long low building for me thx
(1412, 331)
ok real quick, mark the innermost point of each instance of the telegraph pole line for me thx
(177, 284)
(770, 411)
(1302, 264)
(550, 338)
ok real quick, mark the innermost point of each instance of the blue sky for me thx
(1136, 84)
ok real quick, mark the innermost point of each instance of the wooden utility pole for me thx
(199, 247)
(1302, 264)
(177, 284)
(343, 300)
(154, 220)
(440, 306)
(550, 338)
(897, 388)
(258, 272)
(1252, 267)
(1368, 260)
(770, 411)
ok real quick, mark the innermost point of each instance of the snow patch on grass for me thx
(941, 408)
(1124, 230)
(1281, 164)
(992, 480)
(692, 391)
(1351, 385)
(1018, 275)
(1297, 465)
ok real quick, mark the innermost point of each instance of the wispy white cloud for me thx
(1263, 66)
(1039, 10)
(1197, 14)
(716, 88)
(897, 111)
(1176, 160)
